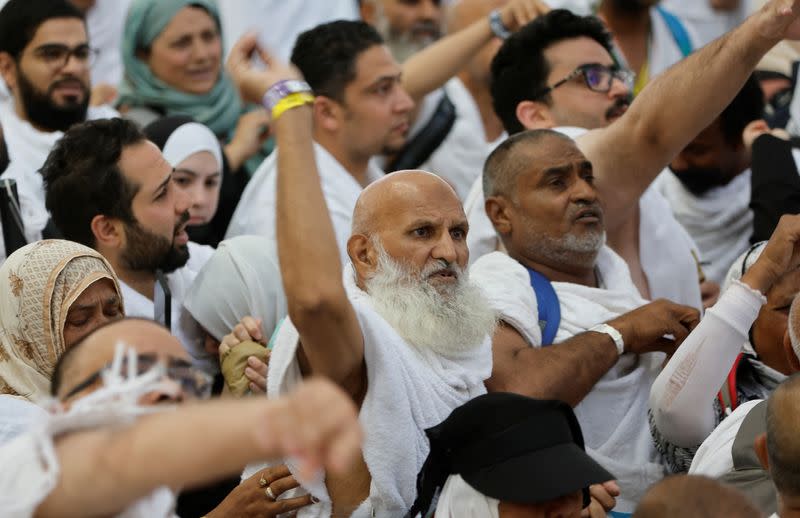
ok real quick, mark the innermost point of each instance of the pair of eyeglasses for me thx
(191, 380)
(597, 77)
(57, 55)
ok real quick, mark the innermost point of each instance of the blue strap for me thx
(617, 514)
(679, 32)
(549, 307)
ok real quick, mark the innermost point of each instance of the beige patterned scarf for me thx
(38, 284)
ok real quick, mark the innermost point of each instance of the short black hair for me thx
(20, 19)
(747, 106)
(326, 54)
(506, 162)
(520, 70)
(83, 179)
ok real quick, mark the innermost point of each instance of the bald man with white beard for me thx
(401, 329)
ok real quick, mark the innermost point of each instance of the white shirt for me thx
(720, 221)
(460, 157)
(184, 327)
(27, 150)
(665, 248)
(714, 458)
(706, 22)
(278, 22)
(105, 23)
(613, 415)
(255, 214)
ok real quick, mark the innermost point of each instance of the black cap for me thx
(511, 448)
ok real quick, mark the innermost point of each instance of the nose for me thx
(618, 89)
(182, 201)
(204, 50)
(171, 392)
(404, 103)
(445, 249)
(429, 10)
(584, 192)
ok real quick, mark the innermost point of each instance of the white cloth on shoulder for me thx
(613, 416)
(184, 327)
(17, 415)
(255, 214)
(714, 458)
(409, 389)
(720, 221)
(460, 500)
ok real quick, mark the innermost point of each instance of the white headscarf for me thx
(188, 139)
(242, 278)
(460, 500)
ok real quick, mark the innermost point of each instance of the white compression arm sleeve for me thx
(682, 396)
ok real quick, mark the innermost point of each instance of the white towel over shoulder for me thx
(409, 390)
(613, 415)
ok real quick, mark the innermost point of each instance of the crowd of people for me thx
(399, 258)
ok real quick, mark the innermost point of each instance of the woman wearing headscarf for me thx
(195, 154)
(52, 293)
(241, 280)
(172, 52)
(738, 346)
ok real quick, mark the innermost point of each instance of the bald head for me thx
(693, 496)
(379, 203)
(97, 350)
(783, 441)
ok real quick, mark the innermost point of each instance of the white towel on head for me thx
(409, 389)
(613, 416)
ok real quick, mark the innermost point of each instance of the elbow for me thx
(309, 305)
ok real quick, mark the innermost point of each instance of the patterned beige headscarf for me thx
(38, 284)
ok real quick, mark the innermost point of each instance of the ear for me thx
(363, 255)
(8, 70)
(788, 350)
(327, 113)
(108, 232)
(367, 10)
(535, 115)
(760, 446)
(498, 208)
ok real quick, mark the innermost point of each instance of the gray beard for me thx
(569, 249)
(453, 323)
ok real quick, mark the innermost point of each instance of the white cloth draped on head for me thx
(38, 284)
(242, 278)
(188, 139)
(460, 500)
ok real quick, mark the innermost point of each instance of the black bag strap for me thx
(420, 148)
(11, 216)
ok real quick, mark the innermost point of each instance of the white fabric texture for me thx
(255, 214)
(409, 389)
(241, 278)
(460, 500)
(706, 22)
(714, 458)
(720, 222)
(16, 416)
(459, 158)
(665, 248)
(278, 22)
(184, 327)
(683, 394)
(613, 416)
(188, 139)
(664, 51)
(27, 150)
(105, 22)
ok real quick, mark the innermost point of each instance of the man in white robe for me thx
(122, 202)
(405, 333)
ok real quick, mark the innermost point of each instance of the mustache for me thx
(581, 209)
(182, 221)
(69, 81)
(426, 27)
(441, 266)
(618, 108)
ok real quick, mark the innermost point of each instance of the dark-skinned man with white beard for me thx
(402, 329)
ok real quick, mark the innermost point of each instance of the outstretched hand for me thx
(254, 82)
(779, 19)
(518, 13)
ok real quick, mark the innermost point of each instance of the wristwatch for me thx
(613, 333)
(498, 27)
(281, 89)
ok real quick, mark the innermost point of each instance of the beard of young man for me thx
(146, 251)
(452, 320)
(43, 112)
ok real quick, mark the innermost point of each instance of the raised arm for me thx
(311, 270)
(432, 67)
(103, 471)
(570, 369)
(682, 396)
(678, 105)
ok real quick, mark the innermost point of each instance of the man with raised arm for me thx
(403, 331)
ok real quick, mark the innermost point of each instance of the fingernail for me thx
(249, 372)
(252, 361)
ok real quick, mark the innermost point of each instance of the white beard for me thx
(450, 323)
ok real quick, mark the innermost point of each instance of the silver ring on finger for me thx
(270, 494)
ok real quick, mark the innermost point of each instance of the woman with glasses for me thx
(52, 293)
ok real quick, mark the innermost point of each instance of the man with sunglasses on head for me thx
(45, 58)
(106, 450)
